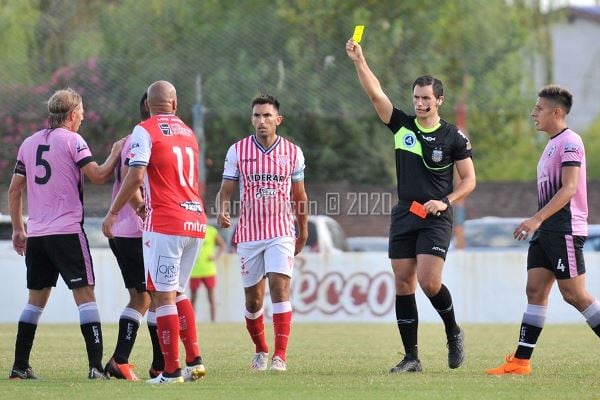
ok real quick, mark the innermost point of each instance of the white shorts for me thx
(168, 260)
(260, 257)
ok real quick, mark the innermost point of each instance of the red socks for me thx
(282, 324)
(187, 328)
(167, 323)
(256, 328)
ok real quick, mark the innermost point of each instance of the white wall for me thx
(576, 61)
(352, 287)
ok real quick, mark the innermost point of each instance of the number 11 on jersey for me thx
(179, 154)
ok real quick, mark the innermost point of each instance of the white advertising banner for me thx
(487, 287)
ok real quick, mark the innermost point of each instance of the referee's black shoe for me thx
(408, 364)
(456, 349)
(18, 373)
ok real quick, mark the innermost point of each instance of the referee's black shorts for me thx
(411, 235)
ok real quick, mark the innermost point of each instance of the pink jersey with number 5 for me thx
(50, 160)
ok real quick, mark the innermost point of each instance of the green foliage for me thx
(591, 140)
(18, 20)
(293, 49)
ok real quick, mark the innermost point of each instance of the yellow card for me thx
(358, 32)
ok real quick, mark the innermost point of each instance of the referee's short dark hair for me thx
(427, 80)
(558, 95)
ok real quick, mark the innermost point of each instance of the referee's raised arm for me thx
(369, 82)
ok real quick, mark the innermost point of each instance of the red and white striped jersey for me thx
(265, 177)
(169, 150)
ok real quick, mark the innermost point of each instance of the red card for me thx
(418, 209)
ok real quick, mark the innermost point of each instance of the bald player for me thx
(163, 158)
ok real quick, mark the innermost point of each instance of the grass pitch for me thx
(325, 361)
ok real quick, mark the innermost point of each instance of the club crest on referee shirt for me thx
(437, 155)
(282, 159)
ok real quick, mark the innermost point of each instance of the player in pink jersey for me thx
(268, 168)
(163, 157)
(559, 229)
(50, 165)
(127, 248)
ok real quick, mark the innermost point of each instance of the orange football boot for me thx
(512, 365)
(120, 371)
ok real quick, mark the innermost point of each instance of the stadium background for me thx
(487, 53)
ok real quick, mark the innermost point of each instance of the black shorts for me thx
(51, 255)
(557, 252)
(129, 254)
(411, 235)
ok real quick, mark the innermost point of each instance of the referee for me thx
(427, 149)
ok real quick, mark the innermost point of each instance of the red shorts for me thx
(210, 282)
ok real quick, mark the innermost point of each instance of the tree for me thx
(293, 49)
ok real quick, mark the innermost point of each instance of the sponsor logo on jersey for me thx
(571, 148)
(409, 139)
(245, 160)
(265, 178)
(437, 155)
(265, 192)
(429, 138)
(194, 226)
(165, 129)
(81, 147)
(180, 129)
(190, 205)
